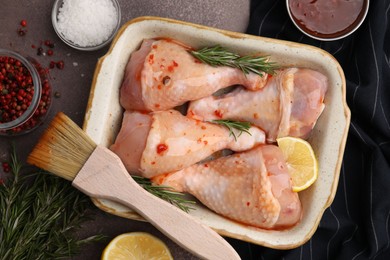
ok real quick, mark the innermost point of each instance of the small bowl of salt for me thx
(86, 24)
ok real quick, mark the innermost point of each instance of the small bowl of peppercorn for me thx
(86, 24)
(25, 93)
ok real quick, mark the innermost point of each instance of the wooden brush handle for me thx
(104, 176)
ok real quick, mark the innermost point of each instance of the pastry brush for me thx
(68, 152)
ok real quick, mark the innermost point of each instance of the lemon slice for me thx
(301, 161)
(136, 246)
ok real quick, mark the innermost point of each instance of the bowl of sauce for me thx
(327, 20)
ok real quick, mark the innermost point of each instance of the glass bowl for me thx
(327, 20)
(66, 37)
(25, 96)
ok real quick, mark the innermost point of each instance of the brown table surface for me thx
(73, 82)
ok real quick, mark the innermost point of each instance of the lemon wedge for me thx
(301, 161)
(136, 246)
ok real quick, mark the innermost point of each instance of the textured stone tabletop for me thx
(72, 83)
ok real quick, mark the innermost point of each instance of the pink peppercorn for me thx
(25, 94)
(6, 167)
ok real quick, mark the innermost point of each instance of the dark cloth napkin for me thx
(356, 225)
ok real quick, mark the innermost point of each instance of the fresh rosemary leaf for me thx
(237, 125)
(39, 214)
(166, 193)
(220, 56)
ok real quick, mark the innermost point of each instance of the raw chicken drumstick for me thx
(252, 187)
(167, 141)
(162, 75)
(289, 104)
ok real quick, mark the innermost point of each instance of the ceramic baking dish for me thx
(104, 114)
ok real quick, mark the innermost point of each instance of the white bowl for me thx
(54, 19)
(104, 114)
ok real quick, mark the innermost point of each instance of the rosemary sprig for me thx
(165, 193)
(39, 214)
(220, 56)
(237, 125)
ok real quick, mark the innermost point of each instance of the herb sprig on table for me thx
(39, 214)
(220, 56)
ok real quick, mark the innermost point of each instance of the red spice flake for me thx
(199, 140)
(203, 127)
(23, 23)
(160, 178)
(218, 113)
(191, 113)
(159, 87)
(151, 59)
(161, 148)
(205, 142)
(206, 165)
(197, 61)
(248, 203)
(255, 116)
(156, 105)
(172, 67)
(153, 163)
(154, 46)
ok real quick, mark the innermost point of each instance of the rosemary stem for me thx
(220, 56)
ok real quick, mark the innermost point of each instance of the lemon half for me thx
(301, 161)
(136, 246)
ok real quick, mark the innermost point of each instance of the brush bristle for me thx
(63, 148)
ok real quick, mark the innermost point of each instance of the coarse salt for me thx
(87, 22)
